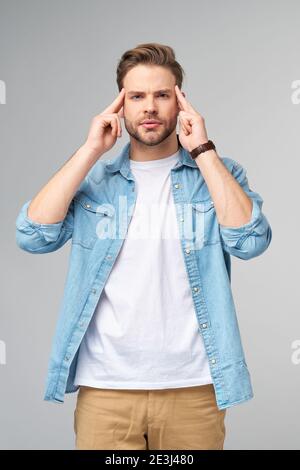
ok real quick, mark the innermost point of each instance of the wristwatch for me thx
(202, 148)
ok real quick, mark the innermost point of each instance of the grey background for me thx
(58, 60)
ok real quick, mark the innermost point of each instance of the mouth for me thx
(151, 124)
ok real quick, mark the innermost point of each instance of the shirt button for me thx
(204, 325)
(213, 361)
(176, 185)
(67, 358)
(181, 219)
(196, 289)
(94, 291)
(108, 257)
(188, 251)
(87, 205)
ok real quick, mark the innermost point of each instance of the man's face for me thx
(150, 94)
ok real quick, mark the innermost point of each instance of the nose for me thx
(150, 106)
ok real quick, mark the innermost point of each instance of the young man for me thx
(147, 331)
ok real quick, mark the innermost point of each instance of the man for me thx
(147, 331)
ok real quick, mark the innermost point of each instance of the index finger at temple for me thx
(117, 104)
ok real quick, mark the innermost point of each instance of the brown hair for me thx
(153, 54)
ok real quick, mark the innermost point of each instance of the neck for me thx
(143, 153)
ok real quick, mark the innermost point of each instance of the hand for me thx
(192, 128)
(106, 127)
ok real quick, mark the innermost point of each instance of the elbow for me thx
(28, 243)
(252, 246)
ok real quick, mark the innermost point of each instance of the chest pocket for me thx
(87, 216)
(205, 223)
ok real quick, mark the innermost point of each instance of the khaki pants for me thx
(175, 418)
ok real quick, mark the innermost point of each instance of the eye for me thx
(161, 94)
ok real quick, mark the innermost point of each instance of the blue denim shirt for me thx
(96, 223)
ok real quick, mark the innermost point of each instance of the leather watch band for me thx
(202, 148)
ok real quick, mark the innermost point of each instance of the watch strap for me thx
(202, 148)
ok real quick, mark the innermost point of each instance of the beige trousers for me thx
(174, 418)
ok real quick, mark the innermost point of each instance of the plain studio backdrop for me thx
(58, 69)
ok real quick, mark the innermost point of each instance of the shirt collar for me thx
(121, 162)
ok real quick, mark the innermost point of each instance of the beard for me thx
(150, 137)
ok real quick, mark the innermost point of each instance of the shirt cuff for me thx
(234, 236)
(50, 232)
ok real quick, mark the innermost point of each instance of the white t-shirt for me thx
(144, 331)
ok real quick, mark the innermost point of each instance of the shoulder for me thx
(96, 176)
(98, 171)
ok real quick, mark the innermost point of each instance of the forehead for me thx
(149, 79)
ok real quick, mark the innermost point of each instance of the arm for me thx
(253, 237)
(244, 229)
(45, 223)
(51, 204)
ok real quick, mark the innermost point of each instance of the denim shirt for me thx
(96, 223)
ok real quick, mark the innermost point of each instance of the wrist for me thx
(91, 152)
(202, 148)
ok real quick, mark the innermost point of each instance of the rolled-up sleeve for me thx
(35, 237)
(254, 237)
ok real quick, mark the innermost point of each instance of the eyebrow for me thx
(165, 90)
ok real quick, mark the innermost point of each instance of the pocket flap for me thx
(203, 206)
(93, 206)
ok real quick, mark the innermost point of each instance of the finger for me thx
(117, 104)
(116, 124)
(186, 117)
(111, 122)
(180, 105)
(119, 126)
(119, 129)
(182, 124)
(183, 104)
(115, 128)
(184, 129)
